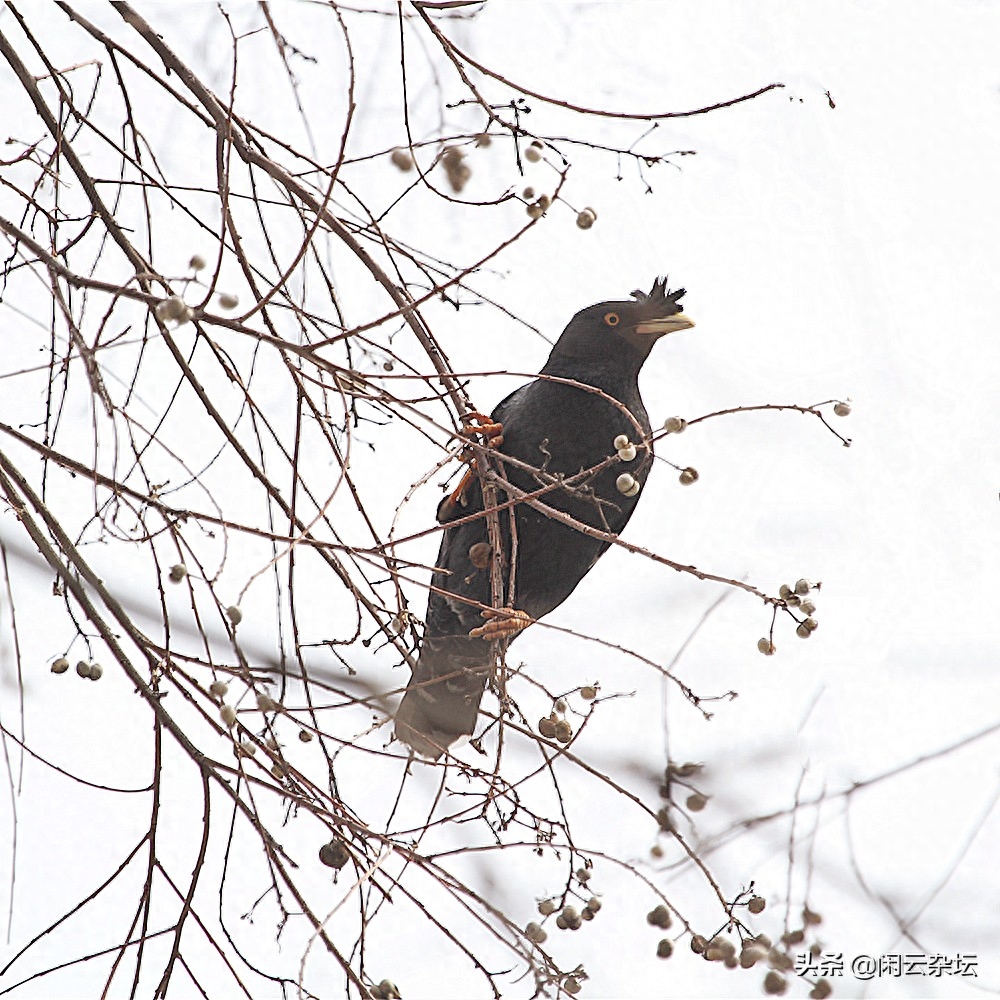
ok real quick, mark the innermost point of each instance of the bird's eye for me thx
(611, 319)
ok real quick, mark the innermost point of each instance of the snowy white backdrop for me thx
(828, 252)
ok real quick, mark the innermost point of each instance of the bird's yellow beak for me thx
(669, 324)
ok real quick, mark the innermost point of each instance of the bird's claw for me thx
(504, 623)
(487, 427)
(492, 431)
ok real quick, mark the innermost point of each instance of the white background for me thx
(828, 253)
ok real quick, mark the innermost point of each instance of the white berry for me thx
(173, 307)
(627, 485)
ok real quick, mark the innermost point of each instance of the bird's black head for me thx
(619, 334)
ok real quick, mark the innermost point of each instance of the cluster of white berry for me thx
(797, 597)
(456, 167)
(175, 310)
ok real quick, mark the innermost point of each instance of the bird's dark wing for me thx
(560, 430)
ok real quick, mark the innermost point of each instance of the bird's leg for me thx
(451, 506)
(504, 623)
(492, 431)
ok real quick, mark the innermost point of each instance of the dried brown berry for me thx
(775, 984)
(481, 554)
(751, 954)
(455, 168)
(535, 932)
(547, 728)
(334, 855)
(686, 770)
(401, 160)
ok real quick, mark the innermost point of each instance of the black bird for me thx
(559, 430)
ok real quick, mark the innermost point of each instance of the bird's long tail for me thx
(441, 703)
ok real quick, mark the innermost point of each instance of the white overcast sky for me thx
(828, 252)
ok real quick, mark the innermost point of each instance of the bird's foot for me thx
(504, 623)
(485, 426)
